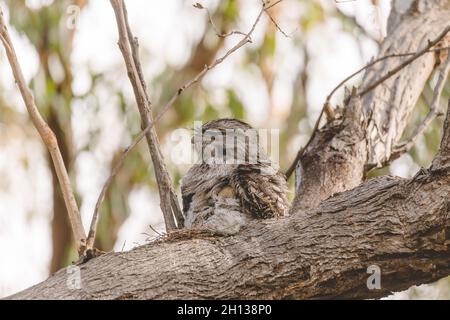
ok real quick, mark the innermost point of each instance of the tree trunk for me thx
(61, 232)
(339, 226)
(400, 225)
(366, 136)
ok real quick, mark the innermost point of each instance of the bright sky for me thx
(167, 30)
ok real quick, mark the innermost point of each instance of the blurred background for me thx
(69, 55)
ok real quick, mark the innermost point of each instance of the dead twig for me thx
(277, 26)
(213, 25)
(160, 168)
(268, 5)
(405, 63)
(302, 150)
(432, 114)
(233, 32)
(246, 39)
(49, 139)
(129, 47)
(154, 230)
(327, 105)
(370, 64)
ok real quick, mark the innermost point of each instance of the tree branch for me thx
(129, 48)
(246, 39)
(327, 105)
(407, 62)
(341, 152)
(432, 114)
(442, 160)
(399, 225)
(213, 25)
(49, 139)
(324, 254)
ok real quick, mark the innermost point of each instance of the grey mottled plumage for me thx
(223, 197)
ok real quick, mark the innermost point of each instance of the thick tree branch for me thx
(48, 137)
(400, 225)
(435, 109)
(407, 62)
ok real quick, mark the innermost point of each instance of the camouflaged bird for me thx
(234, 180)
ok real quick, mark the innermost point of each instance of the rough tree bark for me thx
(345, 148)
(401, 225)
(339, 226)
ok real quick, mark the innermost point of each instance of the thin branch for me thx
(169, 200)
(134, 44)
(129, 48)
(276, 24)
(327, 104)
(352, 19)
(443, 158)
(246, 39)
(370, 64)
(300, 153)
(268, 5)
(405, 63)
(432, 114)
(213, 25)
(48, 137)
(160, 169)
(154, 230)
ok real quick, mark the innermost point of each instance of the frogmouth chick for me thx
(233, 182)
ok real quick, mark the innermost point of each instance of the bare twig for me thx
(160, 168)
(48, 137)
(433, 112)
(279, 28)
(246, 39)
(154, 230)
(268, 5)
(442, 159)
(276, 24)
(129, 48)
(300, 153)
(405, 63)
(213, 25)
(327, 104)
(370, 64)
